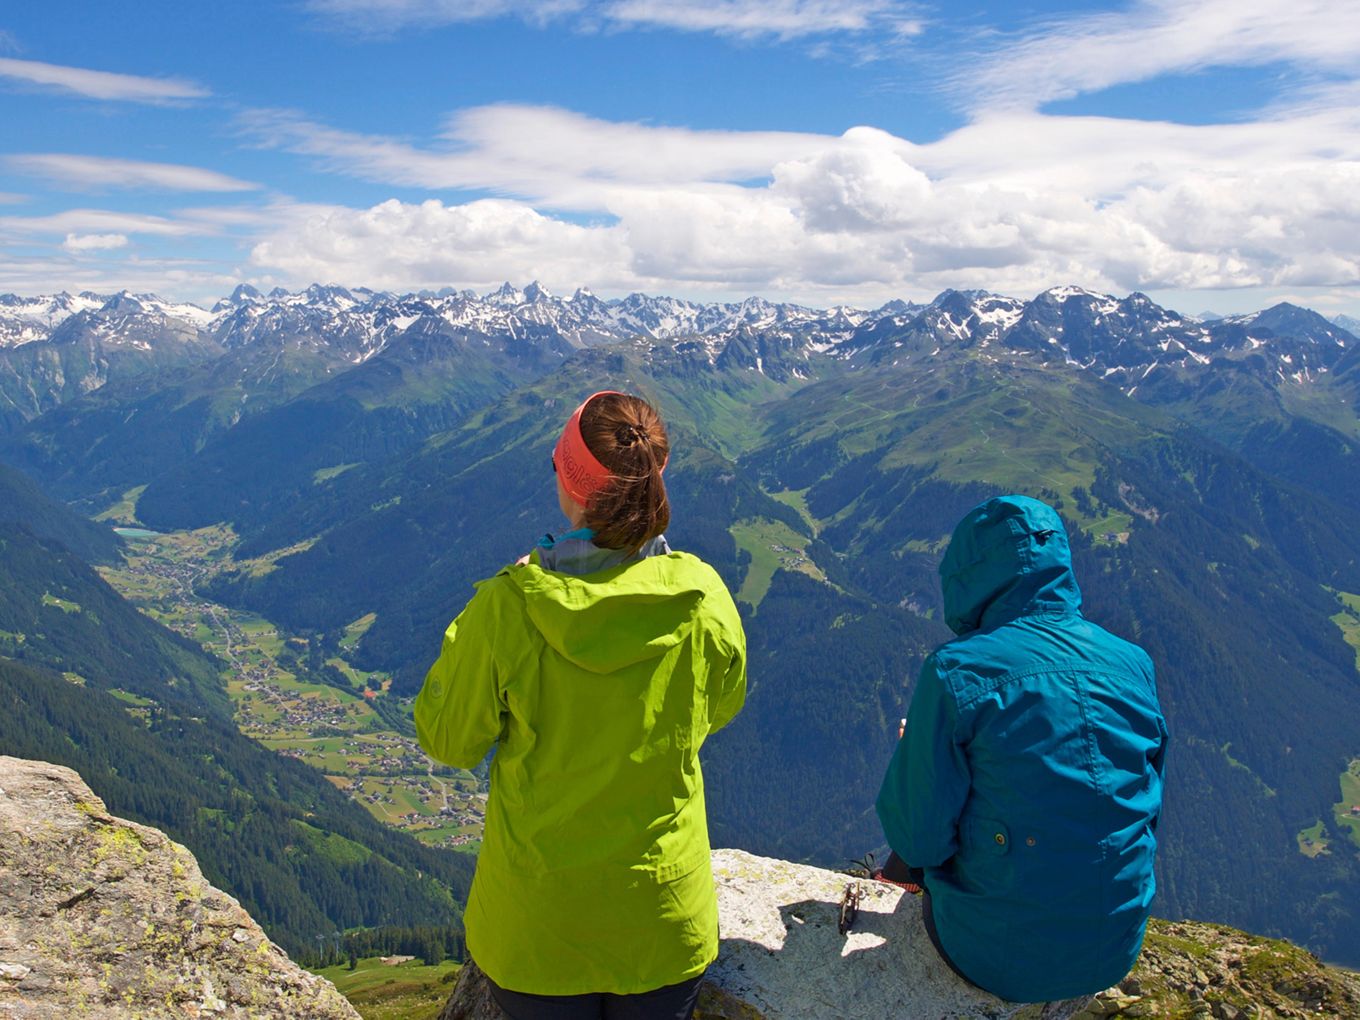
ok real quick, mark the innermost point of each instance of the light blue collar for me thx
(576, 553)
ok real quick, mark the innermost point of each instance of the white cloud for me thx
(94, 242)
(101, 84)
(98, 172)
(402, 246)
(551, 156)
(179, 278)
(1090, 52)
(1013, 201)
(783, 19)
(779, 19)
(94, 221)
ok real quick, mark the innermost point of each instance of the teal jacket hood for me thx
(1008, 558)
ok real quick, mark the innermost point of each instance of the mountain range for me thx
(398, 444)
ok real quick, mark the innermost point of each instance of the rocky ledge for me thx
(104, 918)
(100, 917)
(783, 957)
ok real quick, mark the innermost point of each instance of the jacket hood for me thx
(617, 617)
(1007, 558)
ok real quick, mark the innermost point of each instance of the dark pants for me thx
(674, 1002)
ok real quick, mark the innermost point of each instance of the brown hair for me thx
(627, 436)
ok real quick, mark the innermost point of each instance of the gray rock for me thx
(783, 958)
(100, 917)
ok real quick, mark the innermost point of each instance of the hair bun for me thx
(629, 434)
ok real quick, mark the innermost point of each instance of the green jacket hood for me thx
(1008, 557)
(611, 619)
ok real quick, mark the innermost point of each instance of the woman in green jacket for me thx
(596, 666)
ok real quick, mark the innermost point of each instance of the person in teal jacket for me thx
(1025, 793)
(596, 666)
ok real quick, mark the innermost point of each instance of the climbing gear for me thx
(849, 907)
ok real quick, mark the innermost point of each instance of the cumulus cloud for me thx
(1017, 200)
(100, 84)
(94, 242)
(778, 19)
(402, 245)
(98, 172)
(1089, 52)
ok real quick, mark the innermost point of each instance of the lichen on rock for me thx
(101, 917)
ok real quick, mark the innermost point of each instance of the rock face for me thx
(100, 917)
(1193, 969)
(783, 957)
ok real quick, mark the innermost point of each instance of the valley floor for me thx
(272, 677)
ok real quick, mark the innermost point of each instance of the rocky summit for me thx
(100, 917)
(783, 957)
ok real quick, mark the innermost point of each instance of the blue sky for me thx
(1206, 151)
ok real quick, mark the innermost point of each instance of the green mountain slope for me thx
(1213, 514)
(88, 682)
(22, 502)
(1219, 570)
(272, 465)
(1217, 567)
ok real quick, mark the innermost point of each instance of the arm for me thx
(928, 779)
(460, 709)
(733, 694)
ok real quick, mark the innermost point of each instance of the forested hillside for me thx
(87, 681)
(1206, 470)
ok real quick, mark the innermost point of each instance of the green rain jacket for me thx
(598, 691)
(1028, 784)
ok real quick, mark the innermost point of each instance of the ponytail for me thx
(627, 436)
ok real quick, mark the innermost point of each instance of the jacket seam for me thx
(1006, 679)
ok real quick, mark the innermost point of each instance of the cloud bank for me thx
(1013, 201)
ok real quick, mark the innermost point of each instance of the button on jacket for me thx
(598, 691)
(1028, 781)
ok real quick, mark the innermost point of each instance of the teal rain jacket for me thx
(1028, 782)
(597, 692)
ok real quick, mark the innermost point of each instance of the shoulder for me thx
(696, 575)
(495, 600)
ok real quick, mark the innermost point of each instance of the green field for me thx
(1349, 620)
(1311, 841)
(1350, 797)
(773, 545)
(407, 991)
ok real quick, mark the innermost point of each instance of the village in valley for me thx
(300, 695)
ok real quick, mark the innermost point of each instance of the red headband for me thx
(582, 475)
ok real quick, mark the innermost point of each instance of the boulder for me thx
(101, 917)
(783, 957)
